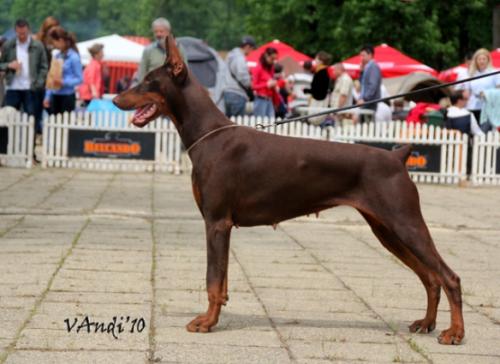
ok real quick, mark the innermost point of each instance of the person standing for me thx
(480, 65)
(342, 92)
(24, 61)
(320, 85)
(264, 85)
(2, 73)
(93, 83)
(239, 81)
(154, 54)
(43, 36)
(63, 99)
(371, 79)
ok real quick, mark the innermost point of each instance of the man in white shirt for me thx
(24, 61)
(342, 92)
(458, 110)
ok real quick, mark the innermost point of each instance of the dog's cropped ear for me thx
(174, 60)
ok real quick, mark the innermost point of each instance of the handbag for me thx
(248, 90)
(54, 77)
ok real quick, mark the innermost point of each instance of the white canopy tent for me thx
(116, 48)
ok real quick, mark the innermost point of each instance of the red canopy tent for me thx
(284, 51)
(392, 63)
(451, 74)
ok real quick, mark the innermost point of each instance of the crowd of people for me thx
(43, 71)
(480, 99)
(271, 90)
(37, 78)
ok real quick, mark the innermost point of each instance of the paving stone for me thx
(79, 356)
(196, 353)
(323, 289)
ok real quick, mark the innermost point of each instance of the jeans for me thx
(235, 104)
(263, 107)
(38, 110)
(23, 100)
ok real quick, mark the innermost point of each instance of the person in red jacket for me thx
(264, 85)
(93, 84)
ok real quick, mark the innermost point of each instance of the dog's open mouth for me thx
(144, 114)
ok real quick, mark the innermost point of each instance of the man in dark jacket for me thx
(24, 62)
(371, 78)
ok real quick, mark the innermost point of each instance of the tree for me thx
(217, 22)
(77, 16)
(437, 33)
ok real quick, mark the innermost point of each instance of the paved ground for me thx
(77, 245)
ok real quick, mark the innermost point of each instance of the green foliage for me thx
(219, 22)
(438, 33)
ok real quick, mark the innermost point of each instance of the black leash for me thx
(334, 111)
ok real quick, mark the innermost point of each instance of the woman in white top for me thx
(480, 65)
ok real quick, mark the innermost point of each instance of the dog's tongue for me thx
(141, 115)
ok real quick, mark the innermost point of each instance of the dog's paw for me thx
(201, 323)
(422, 326)
(452, 336)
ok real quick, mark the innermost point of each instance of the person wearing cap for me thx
(93, 84)
(154, 54)
(238, 80)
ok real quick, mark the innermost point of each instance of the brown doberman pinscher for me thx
(245, 177)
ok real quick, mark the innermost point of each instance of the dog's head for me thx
(159, 92)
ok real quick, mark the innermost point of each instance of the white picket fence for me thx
(453, 145)
(20, 138)
(167, 154)
(486, 159)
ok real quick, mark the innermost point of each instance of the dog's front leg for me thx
(218, 234)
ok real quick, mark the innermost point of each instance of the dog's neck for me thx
(195, 114)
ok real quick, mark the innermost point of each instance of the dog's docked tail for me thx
(403, 152)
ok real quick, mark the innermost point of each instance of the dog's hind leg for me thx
(391, 242)
(419, 242)
(218, 235)
(402, 216)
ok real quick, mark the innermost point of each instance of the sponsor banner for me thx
(111, 144)
(423, 158)
(4, 139)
